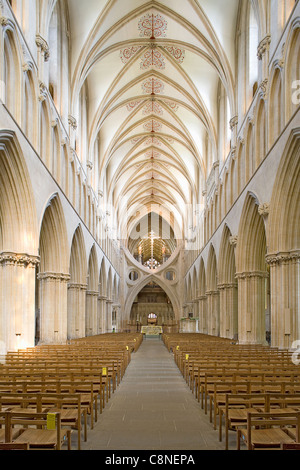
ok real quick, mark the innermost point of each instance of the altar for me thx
(152, 330)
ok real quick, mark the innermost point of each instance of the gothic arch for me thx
(12, 71)
(18, 218)
(260, 132)
(203, 323)
(227, 285)
(77, 286)
(252, 273)
(30, 107)
(284, 220)
(213, 300)
(283, 247)
(92, 293)
(53, 274)
(103, 279)
(276, 105)
(291, 70)
(18, 247)
(136, 289)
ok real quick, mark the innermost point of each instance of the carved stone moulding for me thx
(252, 274)
(19, 259)
(77, 286)
(264, 209)
(263, 46)
(227, 285)
(61, 277)
(283, 257)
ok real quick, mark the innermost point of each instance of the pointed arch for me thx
(275, 109)
(18, 247)
(18, 217)
(228, 286)
(77, 286)
(252, 273)
(92, 293)
(213, 300)
(53, 274)
(137, 288)
(291, 70)
(260, 133)
(284, 246)
(12, 71)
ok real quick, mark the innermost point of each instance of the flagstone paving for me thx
(153, 409)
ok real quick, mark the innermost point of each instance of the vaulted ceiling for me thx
(152, 71)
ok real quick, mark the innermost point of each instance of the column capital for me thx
(252, 274)
(102, 297)
(53, 277)
(227, 285)
(19, 259)
(77, 285)
(282, 257)
(92, 293)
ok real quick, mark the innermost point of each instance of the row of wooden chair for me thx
(60, 386)
(253, 389)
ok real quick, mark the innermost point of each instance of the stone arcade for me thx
(149, 143)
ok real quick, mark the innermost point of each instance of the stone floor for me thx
(153, 409)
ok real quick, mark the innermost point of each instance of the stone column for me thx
(117, 308)
(203, 328)
(91, 313)
(76, 310)
(54, 307)
(251, 307)
(228, 310)
(213, 315)
(285, 298)
(17, 301)
(109, 307)
(101, 314)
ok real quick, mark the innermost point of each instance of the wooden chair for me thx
(14, 446)
(270, 430)
(39, 430)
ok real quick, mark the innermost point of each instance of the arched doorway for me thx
(152, 306)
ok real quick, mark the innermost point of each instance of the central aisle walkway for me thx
(153, 409)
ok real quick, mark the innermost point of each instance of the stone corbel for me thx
(233, 153)
(233, 122)
(43, 92)
(3, 21)
(72, 122)
(54, 122)
(263, 46)
(233, 240)
(264, 209)
(263, 89)
(43, 46)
